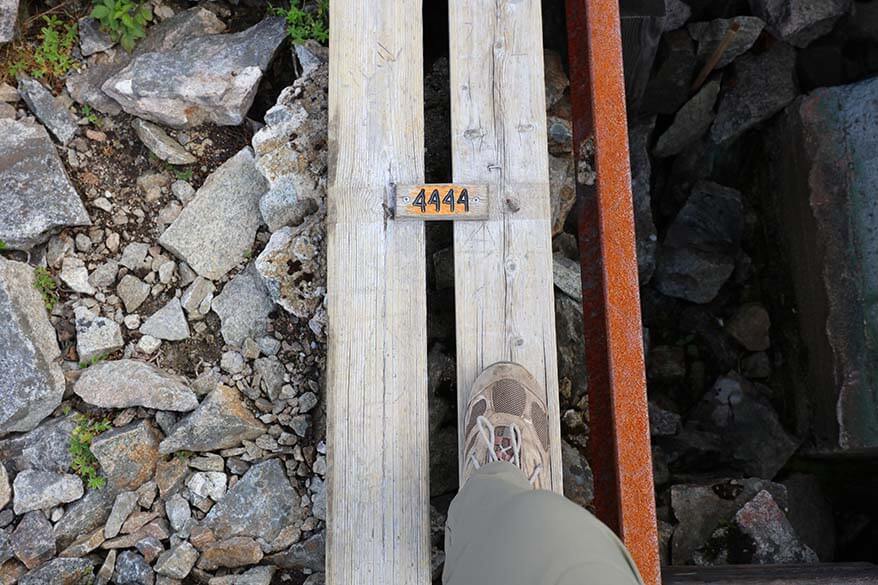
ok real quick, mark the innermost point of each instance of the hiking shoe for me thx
(506, 420)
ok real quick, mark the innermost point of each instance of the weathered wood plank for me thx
(817, 574)
(503, 266)
(377, 494)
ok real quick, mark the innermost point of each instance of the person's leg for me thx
(502, 531)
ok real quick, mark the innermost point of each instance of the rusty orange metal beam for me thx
(619, 442)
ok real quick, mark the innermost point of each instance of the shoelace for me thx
(488, 434)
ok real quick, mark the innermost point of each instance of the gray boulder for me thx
(578, 478)
(799, 22)
(160, 144)
(709, 35)
(60, 571)
(132, 569)
(50, 111)
(31, 380)
(33, 541)
(218, 227)
(44, 448)
(126, 383)
(211, 78)
(690, 123)
(91, 38)
(310, 554)
(85, 86)
(260, 505)
(701, 509)
(243, 307)
(95, 336)
(37, 198)
(293, 267)
(39, 490)
(221, 421)
(5, 488)
(8, 17)
(167, 323)
(764, 85)
(85, 515)
(639, 133)
(698, 253)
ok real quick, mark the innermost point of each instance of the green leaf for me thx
(100, 11)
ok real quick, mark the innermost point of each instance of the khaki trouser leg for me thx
(502, 532)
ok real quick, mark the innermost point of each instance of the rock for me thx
(168, 323)
(50, 111)
(8, 17)
(177, 562)
(40, 490)
(160, 144)
(209, 78)
(823, 169)
(85, 515)
(759, 534)
(232, 362)
(39, 198)
(291, 149)
(33, 540)
(698, 253)
(271, 372)
(75, 275)
(310, 554)
(134, 256)
(260, 505)
(128, 455)
(95, 336)
(61, 571)
(677, 13)
(701, 509)
(5, 489)
(639, 133)
(178, 512)
(675, 69)
(243, 307)
(123, 506)
(197, 299)
(799, 22)
(764, 85)
(45, 448)
(221, 421)
(568, 327)
(105, 573)
(709, 35)
(104, 275)
(663, 423)
(745, 433)
(578, 479)
(126, 383)
(132, 569)
(132, 291)
(690, 123)
(750, 326)
(91, 38)
(218, 227)
(83, 545)
(208, 484)
(293, 267)
(150, 547)
(238, 551)
(149, 344)
(255, 576)
(562, 190)
(31, 380)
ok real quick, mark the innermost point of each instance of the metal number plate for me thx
(441, 201)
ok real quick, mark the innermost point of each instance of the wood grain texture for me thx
(503, 266)
(378, 488)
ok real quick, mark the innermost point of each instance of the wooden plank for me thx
(816, 574)
(378, 488)
(503, 266)
(441, 201)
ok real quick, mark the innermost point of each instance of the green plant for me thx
(3, 245)
(306, 23)
(92, 361)
(90, 115)
(181, 174)
(46, 286)
(53, 56)
(84, 463)
(123, 20)
(183, 455)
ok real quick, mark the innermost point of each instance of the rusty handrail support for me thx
(619, 443)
